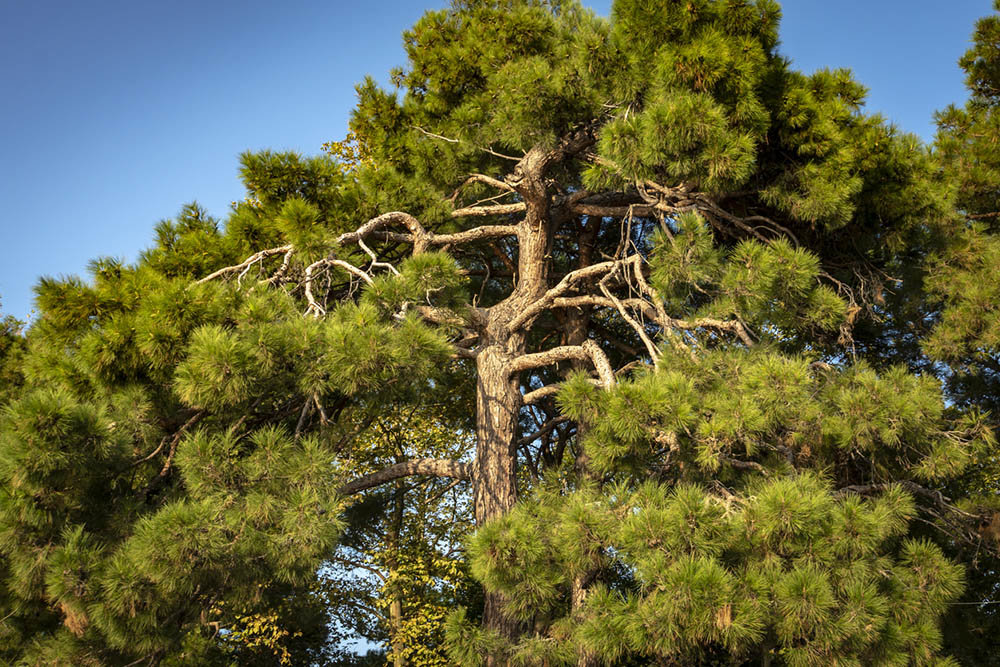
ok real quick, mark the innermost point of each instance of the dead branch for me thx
(394, 217)
(537, 395)
(322, 264)
(734, 326)
(744, 465)
(654, 354)
(282, 270)
(474, 234)
(247, 263)
(548, 358)
(545, 428)
(176, 439)
(494, 209)
(481, 178)
(563, 286)
(460, 141)
(173, 440)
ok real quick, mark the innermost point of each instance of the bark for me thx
(498, 395)
(497, 403)
(432, 467)
(396, 605)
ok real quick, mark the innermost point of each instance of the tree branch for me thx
(638, 328)
(493, 209)
(314, 306)
(247, 263)
(563, 286)
(536, 395)
(432, 467)
(542, 430)
(588, 351)
(460, 141)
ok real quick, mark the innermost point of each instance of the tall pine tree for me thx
(640, 256)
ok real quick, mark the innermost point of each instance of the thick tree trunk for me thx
(498, 395)
(497, 401)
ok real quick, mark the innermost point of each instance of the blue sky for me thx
(114, 113)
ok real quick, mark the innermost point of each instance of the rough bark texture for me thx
(498, 396)
(396, 605)
(432, 467)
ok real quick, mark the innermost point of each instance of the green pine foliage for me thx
(788, 573)
(156, 486)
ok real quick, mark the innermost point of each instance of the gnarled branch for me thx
(563, 286)
(588, 351)
(491, 209)
(247, 263)
(536, 395)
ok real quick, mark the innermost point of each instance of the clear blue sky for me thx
(114, 113)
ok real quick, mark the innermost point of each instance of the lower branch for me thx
(536, 395)
(431, 467)
(588, 351)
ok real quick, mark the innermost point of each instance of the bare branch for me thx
(311, 270)
(564, 285)
(420, 237)
(547, 358)
(542, 430)
(482, 178)
(431, 467)
(173, 440)
(638, 328)
(588, 351)
(602, 302)
(494, 209)
(459, 141)
(744, 465)
(384, 220)
(176, 439)
(535, 396)
(282, 270)
(474, 234)
(375, 261)
(601, 363)
(734, 326)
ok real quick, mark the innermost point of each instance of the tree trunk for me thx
(396, 604)
(497, 402)
(498, 393)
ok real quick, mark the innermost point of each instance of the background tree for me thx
(399, 569)
(11, 349)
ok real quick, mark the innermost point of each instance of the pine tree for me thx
(642, 257)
